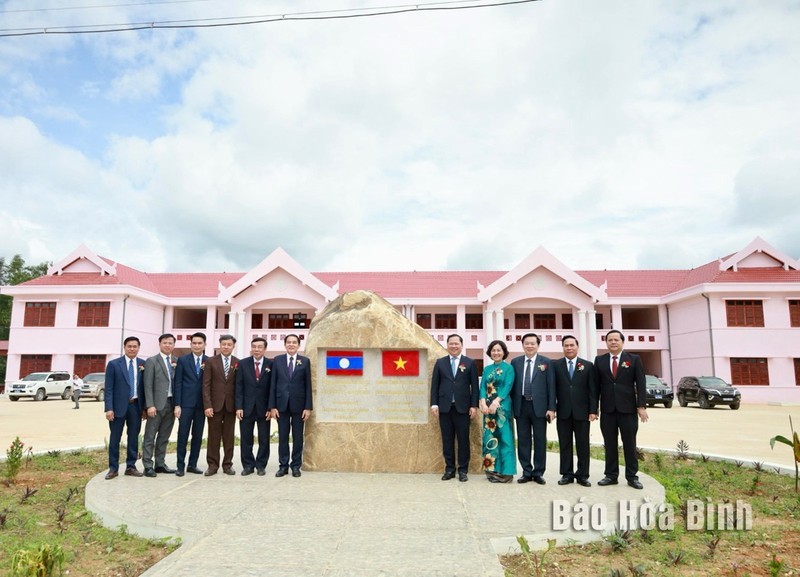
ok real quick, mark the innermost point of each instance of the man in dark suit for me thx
(159, 373)
(454, 400)
(534, 400)
(124, 405)
(576, 407)
(188, 393)
(290, 403)
(219, 397)
(623, 399)
(252, 398)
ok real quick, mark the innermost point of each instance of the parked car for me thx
(658, 392)
(708, 392)
(94, 385)
(39, 386)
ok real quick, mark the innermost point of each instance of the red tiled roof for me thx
(414, 284)
(426, 284)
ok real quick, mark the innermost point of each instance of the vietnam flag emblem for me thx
(400, 363)
(344, 363)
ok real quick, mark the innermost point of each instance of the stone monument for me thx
(371, 386)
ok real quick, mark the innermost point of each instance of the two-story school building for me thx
(737, 317)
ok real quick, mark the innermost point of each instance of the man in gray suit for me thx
(534, 400)
(159, 373)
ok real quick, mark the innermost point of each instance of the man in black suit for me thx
(534, 400)
(576, 407)
(454, 400)
(623, 399)
(290, 403)
(189, 403)
(252, 398)
(124, 405)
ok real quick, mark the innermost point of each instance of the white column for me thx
(238, 330)
(488, 325)
(461, 319)
(616, 317)
(169, 319)
(583, 334)
(500, 330)
(211, 330)
(591, 329)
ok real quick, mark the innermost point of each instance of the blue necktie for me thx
(571, 369)
(226, 365)
(131, 378)
(453, 365)
(197, 366)
(291, 366)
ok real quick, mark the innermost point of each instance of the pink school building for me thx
(737, 317)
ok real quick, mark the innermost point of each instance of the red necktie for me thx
(614, 366)
(258, 372)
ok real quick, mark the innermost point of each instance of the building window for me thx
(280, 321)
(598, 322)
(85, 364)
(749, 371)
(745, 313)
(474, 321)
(794, 313)
(445, 321)
(34, 364)
(544, 321)
(93, 314)
(257, 321)
(40, 315)
(566, 321)
(424, 320)
(797, 372)
(522, 321)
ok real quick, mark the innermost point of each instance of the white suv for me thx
(41, 385)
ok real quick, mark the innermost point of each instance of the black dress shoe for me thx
(282, 472)
(565, 480)
(261, 472)
(463, 477)
(150, 472)
(635, 484)
(133, 472)
(296, 472)
(539, 480)
(179, 473)
(605, 481)
(229, 471)
(112, 473)
(584, 482)
(208, 473)
(194, 470)
(448, 476)
(524, 479)
(247, 471)
(166, 470)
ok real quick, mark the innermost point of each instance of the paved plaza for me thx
(336, 524)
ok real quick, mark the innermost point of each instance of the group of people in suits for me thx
(534, 390)
(196, 388)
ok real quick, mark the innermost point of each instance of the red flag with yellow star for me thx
(400, 363)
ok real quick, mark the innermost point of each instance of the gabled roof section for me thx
(758, 247)
(540, 257)
(278, 258)
(83, 252)
(413, 284)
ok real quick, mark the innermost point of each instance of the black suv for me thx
(658, 392)
(708, 392)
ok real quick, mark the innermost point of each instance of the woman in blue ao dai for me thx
(499, 456)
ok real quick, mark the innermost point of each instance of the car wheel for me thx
(67, 392)
(13, 398)
(101, 395)
(40, 395)
(735, 405)
(667, 404)
(702, 400)
(682, 400)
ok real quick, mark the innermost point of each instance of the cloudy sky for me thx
(617, 134)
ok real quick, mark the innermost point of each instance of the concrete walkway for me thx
(336, 524)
